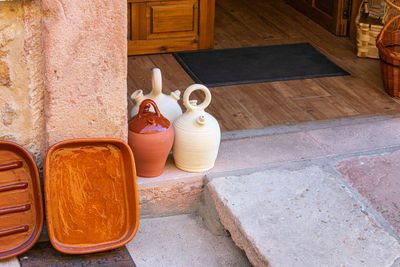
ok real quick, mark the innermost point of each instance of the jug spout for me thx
(156, 83)
(201, 120)
(176, 95)
(137, 96)
(167, 103)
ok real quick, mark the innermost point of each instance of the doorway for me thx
(241, 23)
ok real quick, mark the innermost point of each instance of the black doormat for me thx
(221, 67)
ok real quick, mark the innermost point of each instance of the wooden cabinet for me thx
(334, 15)
(169, 26)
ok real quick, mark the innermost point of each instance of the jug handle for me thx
(146, 105)
(193, 88)
(156, 81)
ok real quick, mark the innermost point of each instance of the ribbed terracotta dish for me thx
(21, 207)
(91, 195)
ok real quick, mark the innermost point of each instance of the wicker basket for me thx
(388, 44)
(394, 8)
(367, 31)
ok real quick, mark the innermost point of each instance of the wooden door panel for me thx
(129, 22)
(166, 26)
(175, 19)
(183, 18)
(142, 47)
(327, 13)
(310, 9)
(137, 14)
(326, 6)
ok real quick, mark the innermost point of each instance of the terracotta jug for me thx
(197, 134)
(168, 104)
(151, 137)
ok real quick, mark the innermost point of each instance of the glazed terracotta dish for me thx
(151, 137)
(91, 195)
(21, 212)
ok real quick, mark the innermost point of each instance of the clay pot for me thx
(151, 137)
(197, 134)
(167, 104)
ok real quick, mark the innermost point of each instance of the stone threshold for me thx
(178, 192)
(326, 152)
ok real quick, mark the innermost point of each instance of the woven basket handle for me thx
(390, 3)
(359, 10)
(380, 37)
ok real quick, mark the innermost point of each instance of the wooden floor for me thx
(241, 23)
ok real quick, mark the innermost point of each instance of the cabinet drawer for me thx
(168, 26)
(172, 19)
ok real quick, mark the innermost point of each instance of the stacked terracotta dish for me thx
(21, 207)
(90, 192)
(158, 122)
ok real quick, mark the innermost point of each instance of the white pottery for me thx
(167, 104)
(197, 134)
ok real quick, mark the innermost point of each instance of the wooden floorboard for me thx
(174, 77)
(325, 107)
(305, 88)
(246, 15)
(367, 100)
(231, 114)
(240, 23)
(267, 105)
(229, 32)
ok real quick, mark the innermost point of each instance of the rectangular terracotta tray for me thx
(21, 207)
(91, 195)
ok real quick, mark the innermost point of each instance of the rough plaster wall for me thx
(85, 69)
(21, 76)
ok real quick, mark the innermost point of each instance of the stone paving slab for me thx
(300, 218)
(264, 150)
(182, 241)
(12, 262)
(377, 178)
(358, 137)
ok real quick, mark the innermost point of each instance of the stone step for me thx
(296, 226)
(176, 192)
(182, 240)
(303, 217)
(11, 262)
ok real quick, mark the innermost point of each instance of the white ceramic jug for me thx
(167, 104)
(197, 134)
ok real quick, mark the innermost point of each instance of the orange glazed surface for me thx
(89, 202)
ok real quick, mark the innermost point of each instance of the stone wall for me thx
(85, 51)
(21, 76)
(63, 67)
